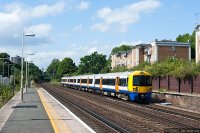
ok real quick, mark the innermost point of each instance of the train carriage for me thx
(135, 86)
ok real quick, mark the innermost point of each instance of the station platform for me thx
(39, 113)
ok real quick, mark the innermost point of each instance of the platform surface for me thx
(39, 113)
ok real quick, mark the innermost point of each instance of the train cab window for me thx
(142, 80)
(97, 81)
(122, 82)
(90, 81)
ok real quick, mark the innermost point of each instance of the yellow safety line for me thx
(57, 125)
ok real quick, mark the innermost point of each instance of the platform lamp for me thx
(22, 62)
(29, 74)
(26, 83)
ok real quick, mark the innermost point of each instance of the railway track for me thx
(98, 123)
(131, 117)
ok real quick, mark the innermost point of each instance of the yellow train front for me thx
(139, 86)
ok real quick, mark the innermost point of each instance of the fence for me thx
(5, 80)
(189, 85)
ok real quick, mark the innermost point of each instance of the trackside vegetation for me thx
(8, 68)
(6, 93)
(178, 68)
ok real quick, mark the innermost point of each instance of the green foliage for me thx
(5, 94)
(171, 67)
(55, 82)
(66, 66)
(35, 72)
(93, 63)
(119, 69)
(4, 55)
(188, 38)
(162, 90)
(121, 48)
(52, 69)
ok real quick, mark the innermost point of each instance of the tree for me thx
(35, 73)
(93, 63)
(121, 48)
(4, 55)
(188, 38)
(52, 69)
(66, 66)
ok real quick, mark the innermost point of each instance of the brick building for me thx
(156, 51)
(167, 48)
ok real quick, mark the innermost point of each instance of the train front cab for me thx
(140, 86)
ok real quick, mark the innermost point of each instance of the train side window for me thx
(74, 80)
(122, 82)
(97, 81)
(84, 80)
(112, 82)
(105, 81)
(78, 80)
(90, 81)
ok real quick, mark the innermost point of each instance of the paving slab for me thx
(27, 117)
(39, 113)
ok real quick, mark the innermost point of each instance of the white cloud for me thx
(45, 10)
(123, 16)
(78, 27)
(91, 50)
(83, 5)
(43, 58)
(16, 15)
(40, 30)
(100, 26)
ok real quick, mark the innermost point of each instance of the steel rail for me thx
(103, 120)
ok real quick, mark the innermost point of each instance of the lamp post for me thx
(13, 70)
(22, 62)
(28, 73)
(13, 80)
(26, 84)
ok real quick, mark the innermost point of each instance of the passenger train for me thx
(133, 86)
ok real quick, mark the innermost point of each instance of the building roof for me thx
(143, 45)
(166, 42)
(121, 52)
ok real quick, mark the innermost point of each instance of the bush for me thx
(5, 93)
(178, 68)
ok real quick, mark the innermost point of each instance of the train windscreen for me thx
(142, 80)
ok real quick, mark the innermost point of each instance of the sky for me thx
(75, 28)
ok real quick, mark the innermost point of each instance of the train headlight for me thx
(150, 89)
(135, 89)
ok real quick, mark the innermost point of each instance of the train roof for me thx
(110, 75)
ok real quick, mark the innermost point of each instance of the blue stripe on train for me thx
(133, 96)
